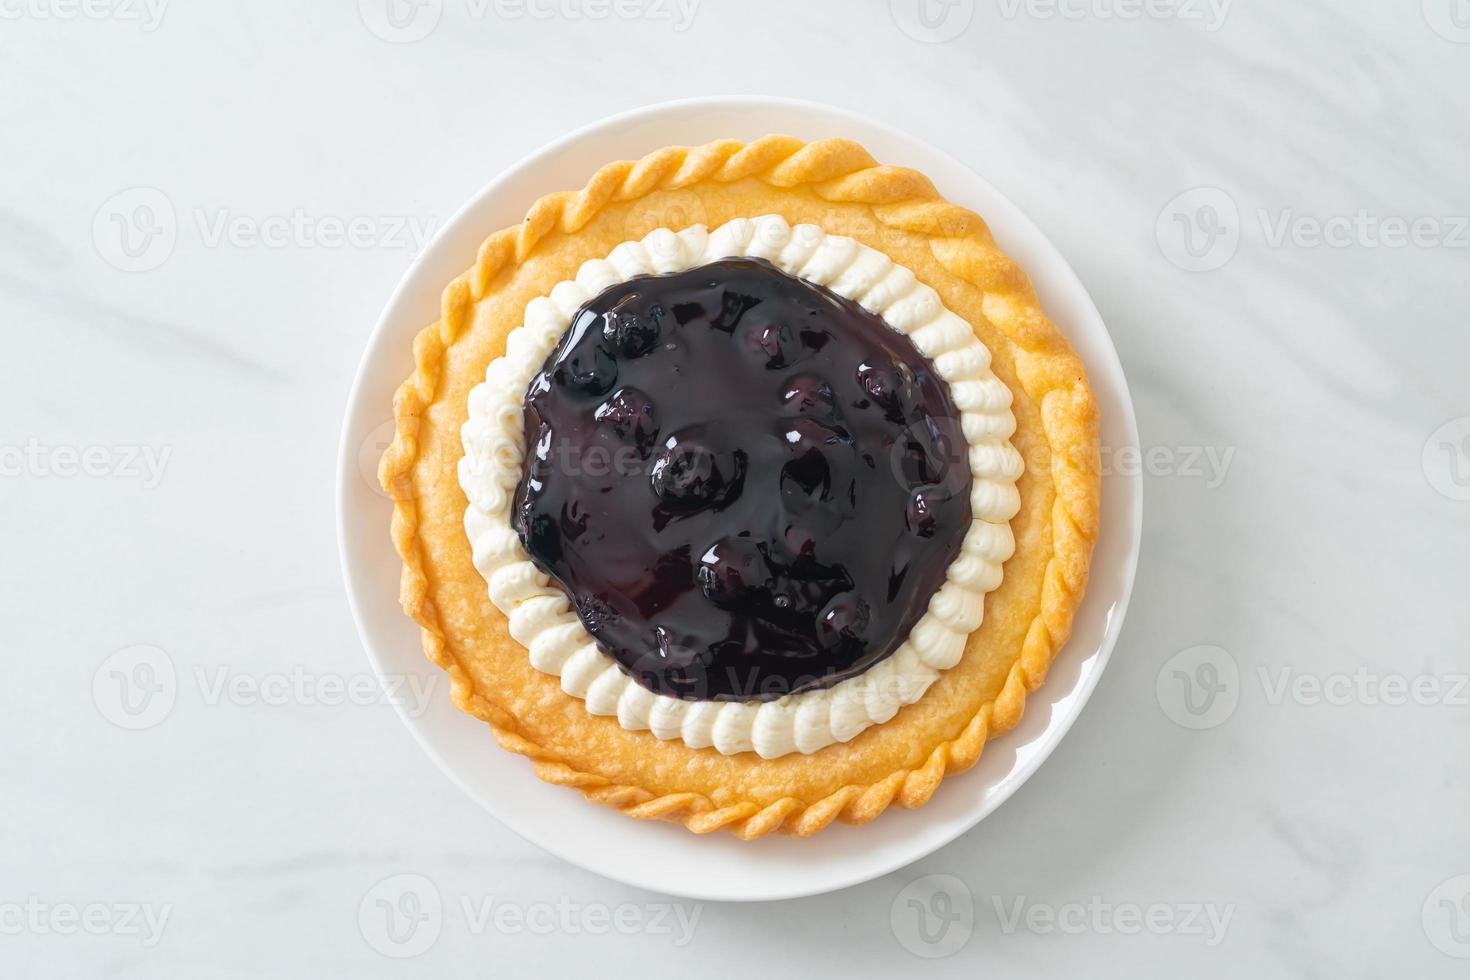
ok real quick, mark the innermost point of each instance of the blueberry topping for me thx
(780, 528)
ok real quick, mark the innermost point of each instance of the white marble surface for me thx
(169, 437)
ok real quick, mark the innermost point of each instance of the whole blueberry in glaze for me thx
(889, 385)
(782, 530)
(845, 620)
(821, 468)
(799, 541)
(923, 510)
(588, 370)
(774, 343)
(631, 334)
(733, 570)
(807, 394)
(733, 304)
(801, 435)
(689, 473)
(923, 455)
(631, 415)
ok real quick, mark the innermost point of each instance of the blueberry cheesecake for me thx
(747, 487)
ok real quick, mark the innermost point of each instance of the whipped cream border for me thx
(541, 616)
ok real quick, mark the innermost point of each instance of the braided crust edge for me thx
(1051, 374)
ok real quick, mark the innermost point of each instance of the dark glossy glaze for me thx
(748, 485)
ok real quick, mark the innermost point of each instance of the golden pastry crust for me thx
(837, 185)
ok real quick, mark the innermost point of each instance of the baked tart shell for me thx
(838, 186)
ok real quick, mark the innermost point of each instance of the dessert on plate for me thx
(746, 487)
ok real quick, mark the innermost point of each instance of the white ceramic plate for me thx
(659, 856)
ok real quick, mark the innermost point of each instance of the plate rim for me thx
(348, 462)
